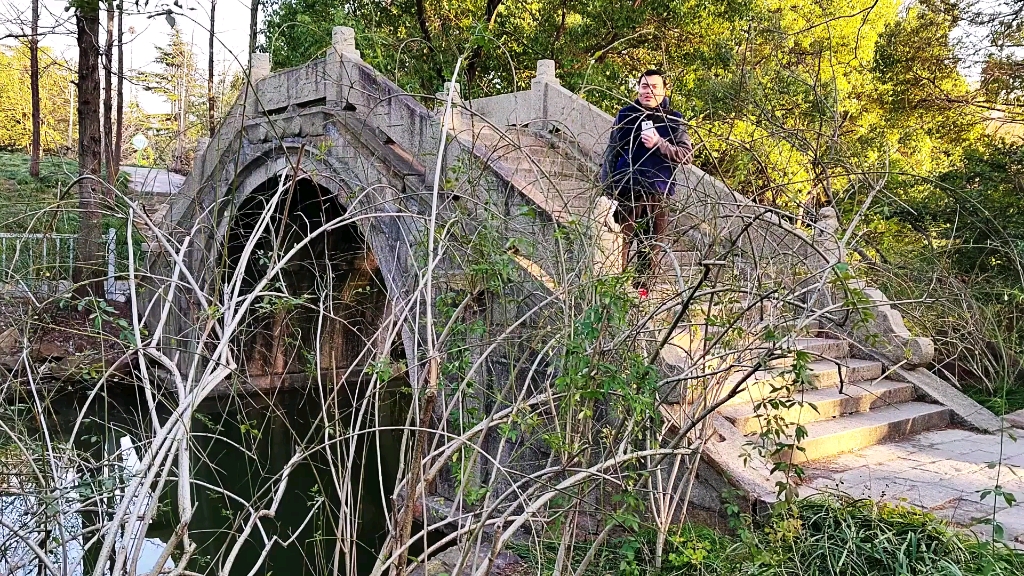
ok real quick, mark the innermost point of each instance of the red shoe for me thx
(642, 293)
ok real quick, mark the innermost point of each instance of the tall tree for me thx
(108, 96)
(254, 14)
(210, 95)
(179, 79)
(16, 100)
(88, 272)
(119, 131)
(35, 149)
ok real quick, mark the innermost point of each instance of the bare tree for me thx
(33, 55)
(119, 130)
(108, 96)
(210, 95)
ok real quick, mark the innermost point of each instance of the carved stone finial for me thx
(260, 66)
(825, 235)
(546, 69)
(343, 38)
(456, 90)
(546, 72)
(828, 220)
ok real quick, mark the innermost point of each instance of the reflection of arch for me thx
(337, 275)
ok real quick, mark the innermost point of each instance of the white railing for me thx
(117, 290)
(43, 265)
(37, 264)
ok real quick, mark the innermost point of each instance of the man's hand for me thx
(651, 138)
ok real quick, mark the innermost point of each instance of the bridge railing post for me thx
(259, 67)
(343, 47)
(454, 116)
(538, 86)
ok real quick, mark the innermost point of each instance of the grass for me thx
(43, 205)
(823, 535)
(1004, 399)
(47, 205)
(53, 170)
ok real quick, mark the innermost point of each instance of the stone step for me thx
(826, 349)
(847, 433)
(799, 329)
(834, 348)
(551, 161)
(681, 258)
(821, 375)
(828, 374)
(816, 405)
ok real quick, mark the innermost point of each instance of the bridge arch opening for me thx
(324, 307)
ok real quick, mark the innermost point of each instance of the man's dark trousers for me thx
(642, 215)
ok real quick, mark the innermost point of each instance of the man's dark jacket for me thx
(631, 166)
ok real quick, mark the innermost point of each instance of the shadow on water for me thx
(241, 449)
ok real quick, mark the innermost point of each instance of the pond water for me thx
(240, 448)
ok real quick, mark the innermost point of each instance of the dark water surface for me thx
(240, 447)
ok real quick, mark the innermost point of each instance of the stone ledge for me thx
(1015, 419)
(967, 411)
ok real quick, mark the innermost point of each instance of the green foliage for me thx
(837, 536)
(16, 112)
(820, 536)
(597, 44)
(977, 207)
(179, 79)
(795, 102)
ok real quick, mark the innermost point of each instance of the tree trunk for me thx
(35, 150)
(119, 128)
(71, 115)
(108, 100)
(210, 95)
(89, 269)
(254, 13)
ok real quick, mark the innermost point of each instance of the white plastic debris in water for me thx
(45, 529)
(131, 533)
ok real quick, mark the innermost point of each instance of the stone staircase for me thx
(875, 426)
(560, 184)
(844, 404)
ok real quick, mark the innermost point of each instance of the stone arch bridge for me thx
(335, 151)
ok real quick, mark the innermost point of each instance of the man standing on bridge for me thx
(648, 141)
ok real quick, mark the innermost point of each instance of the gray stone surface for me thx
(1015, 419)
(967, 411)
(943, 471)
(155, 181)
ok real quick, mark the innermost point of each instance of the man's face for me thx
(651, 91)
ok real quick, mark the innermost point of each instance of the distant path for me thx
(156, 181)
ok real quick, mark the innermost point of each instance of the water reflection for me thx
(241, 451)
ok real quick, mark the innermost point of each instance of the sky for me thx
(144, 32)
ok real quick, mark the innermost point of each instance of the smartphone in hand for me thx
(647, 127)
